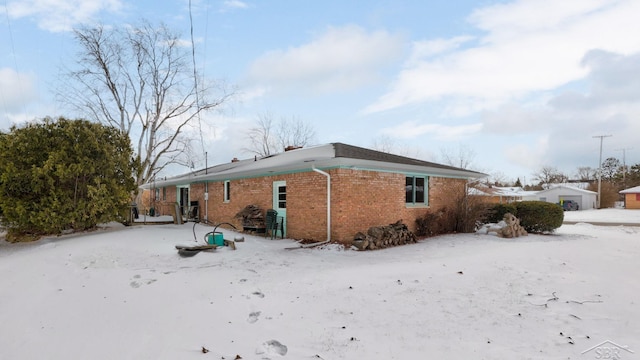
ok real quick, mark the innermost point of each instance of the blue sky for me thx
(518, 84)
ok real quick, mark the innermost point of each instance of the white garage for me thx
(586, 199)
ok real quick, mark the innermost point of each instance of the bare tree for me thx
(586, 173)
(268, 137)
(384, 144)
(139, 80)
(496, 178)
(260, 136)
(550, 175)
(294, 132)
(389, 145)
(462, 157)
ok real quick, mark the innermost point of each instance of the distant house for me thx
(555, 193)
(631, 197)
(323, 192)
(500, 194)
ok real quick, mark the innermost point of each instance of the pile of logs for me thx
(252, 216)
(379, 237)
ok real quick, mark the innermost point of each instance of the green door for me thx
(280, 202)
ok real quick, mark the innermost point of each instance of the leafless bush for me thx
(464, 214)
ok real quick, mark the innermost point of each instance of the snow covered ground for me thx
(124, 293)
(604, 216)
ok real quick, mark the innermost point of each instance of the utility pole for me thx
(624, 164)
(600, 168)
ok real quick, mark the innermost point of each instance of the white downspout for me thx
(206, 202)
(328, 204)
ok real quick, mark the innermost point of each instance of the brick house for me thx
(499, 194)
(323, 192)
(631, 197)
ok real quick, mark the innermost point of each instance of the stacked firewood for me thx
(251, 216)
(379, 237)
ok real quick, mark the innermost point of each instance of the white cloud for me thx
(518, 17)
(529, 156)
(61, 15)
(513, 118)
(186, 42)
(428, 48)
(609, 105)
(17, 91)
(413, 129)
(341, 58)
(234, 4)
(525, 48)
(252, 93)
(614, 77)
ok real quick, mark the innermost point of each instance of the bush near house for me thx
(434, 223)
(58, 175)
(539, 216)
(497, 211)
(464, 215)
(609, 193)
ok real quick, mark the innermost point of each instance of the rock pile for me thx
(379, 237)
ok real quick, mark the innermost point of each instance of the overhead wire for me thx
(195, 77)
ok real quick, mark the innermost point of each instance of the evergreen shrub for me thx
(58, 175)
(497, 211)
(539, 216)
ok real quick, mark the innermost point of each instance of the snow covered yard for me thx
(126, 294)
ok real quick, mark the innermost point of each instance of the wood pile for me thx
(379, 237)
(252, 216)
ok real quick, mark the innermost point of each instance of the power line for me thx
(624, 162)
(195, 77)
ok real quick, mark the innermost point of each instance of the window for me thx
(227, 191)
(416, 188)
(157, 194)
(282, 197)
(164, 194)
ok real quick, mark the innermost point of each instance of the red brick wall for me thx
(306, 217)
(366, 198)
(243, 192)
(161, 207)
(359, 200)
(307, 206)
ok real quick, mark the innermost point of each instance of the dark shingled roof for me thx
(355, 152)
(324, 156)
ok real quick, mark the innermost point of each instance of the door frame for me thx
(183, 203)
(282, 211)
